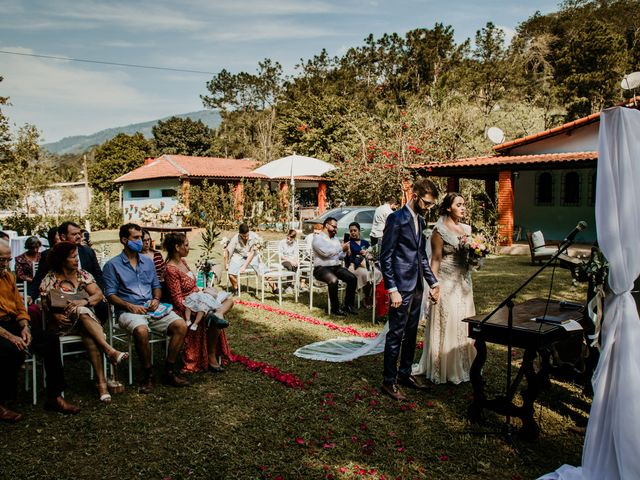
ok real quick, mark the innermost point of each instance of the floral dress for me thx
(195, 355)
(24, 267)
(51, 281)
(448, 351)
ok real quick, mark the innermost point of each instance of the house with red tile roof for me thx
(155, 185)
(545, 181)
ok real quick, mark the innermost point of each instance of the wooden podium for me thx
(535, 338)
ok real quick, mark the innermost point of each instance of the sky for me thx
(64, 98)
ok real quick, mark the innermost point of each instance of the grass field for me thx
(243, 424)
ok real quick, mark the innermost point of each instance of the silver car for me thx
(345, 216)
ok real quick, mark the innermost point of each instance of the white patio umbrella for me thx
(294, 166)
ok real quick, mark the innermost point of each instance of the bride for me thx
(448, 352)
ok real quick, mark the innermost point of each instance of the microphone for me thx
(579, 227)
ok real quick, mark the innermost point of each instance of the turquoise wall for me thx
(132, 206)
(555, 220)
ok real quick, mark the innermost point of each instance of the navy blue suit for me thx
(404, 264)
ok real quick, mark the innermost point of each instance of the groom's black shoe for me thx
(394, 392)
(339, 313)
(349, 309)
(412, 382)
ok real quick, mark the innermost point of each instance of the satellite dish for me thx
(631, 81)
(496, 135)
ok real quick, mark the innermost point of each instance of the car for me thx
(344, 215)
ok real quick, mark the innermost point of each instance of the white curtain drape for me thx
(612, 444)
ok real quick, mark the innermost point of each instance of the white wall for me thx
(60, 198)
(582, 139)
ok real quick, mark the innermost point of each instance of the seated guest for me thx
(356, 261)
(327, 251)
(16, 339)
(86, 238)
(153, 254)
(204, 346)
(34, 309)
(4, 236)
(87, 259)
(132, 286)
(242, 253)
(290, 254)
(308, 240)
(79, 317)
(25, 262)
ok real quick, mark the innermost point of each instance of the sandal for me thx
(116, 357)
(104, 397)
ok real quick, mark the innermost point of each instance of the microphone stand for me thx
(509, 303)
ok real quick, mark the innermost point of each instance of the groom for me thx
(404, 265)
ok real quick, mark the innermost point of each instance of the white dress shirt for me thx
(379, 220)
(326, 251)
(288, 250)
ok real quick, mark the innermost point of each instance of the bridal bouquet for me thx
(476, 247)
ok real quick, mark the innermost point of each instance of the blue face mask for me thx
(135, 245)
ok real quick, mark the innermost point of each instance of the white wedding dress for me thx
(448, 352)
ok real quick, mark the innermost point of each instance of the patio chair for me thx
(122, 336)
(275, 271)
(70, 345)
(539, 249)
(305, 270)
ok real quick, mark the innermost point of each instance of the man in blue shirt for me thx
(132, 286)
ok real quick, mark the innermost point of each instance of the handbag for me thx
(58, 299)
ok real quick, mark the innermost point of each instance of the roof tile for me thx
(177, 166)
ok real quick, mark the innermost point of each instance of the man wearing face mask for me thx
(405, 267)
(132, 286)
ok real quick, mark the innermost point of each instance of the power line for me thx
(129, 65)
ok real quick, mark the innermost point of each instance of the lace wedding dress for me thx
(448, 352)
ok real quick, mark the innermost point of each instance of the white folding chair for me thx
(273, 270)
(71, 345)
(315, 286)
(31, 362)
(246, 275)
(117, 334)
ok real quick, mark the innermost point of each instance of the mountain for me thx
(80, 143)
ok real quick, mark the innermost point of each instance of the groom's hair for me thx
(423, 186)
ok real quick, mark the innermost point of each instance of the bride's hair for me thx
(447, 201)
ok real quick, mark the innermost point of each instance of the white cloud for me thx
(269, 8)
(274, 30)
(65, 14)
(62, 98)
(509, 33)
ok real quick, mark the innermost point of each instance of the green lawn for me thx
(242, 424)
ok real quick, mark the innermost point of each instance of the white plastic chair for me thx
(305, 270)
(116, 334)
(31, 362)
(276, 272)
